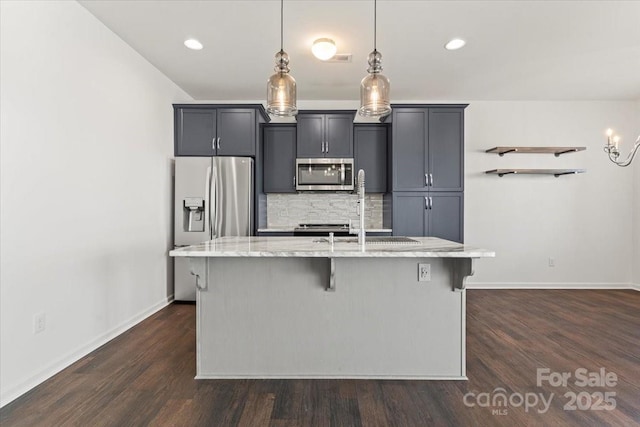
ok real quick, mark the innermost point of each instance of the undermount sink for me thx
(373, 240)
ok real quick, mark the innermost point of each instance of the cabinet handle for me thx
(430, 178)
(213, 143)
(426, 180)
(219, 143)
(430, 203)
(426, 203)
(327, 147)
(294, 181)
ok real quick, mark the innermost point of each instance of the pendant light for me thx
(281, 87)
(374, 88)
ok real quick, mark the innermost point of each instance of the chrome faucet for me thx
(361, 231)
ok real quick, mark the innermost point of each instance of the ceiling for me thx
(516, 50)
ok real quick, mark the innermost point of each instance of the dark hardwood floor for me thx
(145, 376)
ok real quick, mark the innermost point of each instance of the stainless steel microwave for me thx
(324, 174)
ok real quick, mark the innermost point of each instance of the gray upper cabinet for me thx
(279, 158)
(236, 132)
(428, 148)
(209, 130)
(339, 135)
(195, 132)
(325, 134)
(437, 214)
(446, 149)
(370, 152)
(311, 135)
(409, 148)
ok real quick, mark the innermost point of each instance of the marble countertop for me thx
(309, 247)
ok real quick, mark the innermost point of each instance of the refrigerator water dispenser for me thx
(193, 214)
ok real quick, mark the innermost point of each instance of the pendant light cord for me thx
(281, 25)
(375, 25)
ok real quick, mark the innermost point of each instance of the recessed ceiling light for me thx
(193, 44)
(454, 44)
(324, 48)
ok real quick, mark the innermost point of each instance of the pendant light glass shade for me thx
(374, 89)
(281, 87)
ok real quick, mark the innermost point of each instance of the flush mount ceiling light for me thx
(374, 88)
(324, 48)
(612, 149)
(193, 44)
(454, 44)
(281, 87)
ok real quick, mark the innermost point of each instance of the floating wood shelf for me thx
(557, 151)
(554, 172)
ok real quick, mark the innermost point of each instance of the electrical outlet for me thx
(552, 262)
(424, 272)
(39, 323)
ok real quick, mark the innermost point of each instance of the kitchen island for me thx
(301, 307)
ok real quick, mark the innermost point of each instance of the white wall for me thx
(584, 222)
(87, 135)
(636, 210)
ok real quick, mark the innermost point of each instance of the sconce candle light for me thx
(613, 141)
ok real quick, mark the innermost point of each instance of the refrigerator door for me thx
(222, 186)
(192, 200)
(232, 196)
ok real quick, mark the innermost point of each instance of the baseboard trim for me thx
(66, 361)
(533, 285)
(635, 287)
(331, 377)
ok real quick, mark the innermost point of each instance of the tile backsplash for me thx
(289, 210)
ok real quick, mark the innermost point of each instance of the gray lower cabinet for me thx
(325, 134)
(370, 152)
(428, 148)
(436, 214)
(279, 158)
(207, 130)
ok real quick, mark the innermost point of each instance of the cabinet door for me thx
(339, 135)
(409, 214)
(446, 151)
(237, 132)
(370, 149)
(409, 149)
(279, 159)
(445, 219)
(310, 135)
(195, 132)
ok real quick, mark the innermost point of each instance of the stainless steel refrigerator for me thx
(213, 198)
